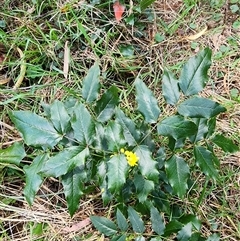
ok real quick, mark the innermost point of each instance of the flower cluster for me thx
(131, 157)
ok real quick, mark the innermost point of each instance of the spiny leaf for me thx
(129, 129)
(13, 154)
(158, 225)
(104, 225)
(176, 127)
(59, 116)
(225, 143)
(178, 173)
(73, 187)
(147, 165)
(147, 103)
(91, 84)
(200, 107)
(117, 172)
(36, 130)
(83, 125)
(170, 88)
(33, 179)
(65, 161)
(135, 220)
(143, 187)
(205, 160)
(121, 221)
(194, 76)
(106, 105)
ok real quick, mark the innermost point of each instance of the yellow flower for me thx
(131, 157)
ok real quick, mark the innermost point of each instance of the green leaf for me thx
(200, 107)
(194, 76)
(117, 172)
(143, 187)
(202, 125)
(170, 88)
(190, 218)
(65, 161)
(36, 130)
(140, 238)
(13, 154)
(33, 179)
(83, 125)
(91, 84)
(225, 143)
(104, 225)
(178, 173)
(205, 160)
(214, 237)
(172, 227)
(147, 103)
(135, 220)
(176, 127)
(129, 129)
(185, 233)
(121, 221)
(161, 201)
(115, 138)
(146, 163)
(158, 225)
(73, 187)
(59, 117)
(145, 3)
(122, 237)
(106, 105)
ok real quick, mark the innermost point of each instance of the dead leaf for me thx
(66, 60)
(23, 68)
(118, 10)
(197, 35)
(77, 226)
(4, 80)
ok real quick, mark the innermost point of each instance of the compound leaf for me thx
(117, 172)
(106, 105)
(170, 88)
(225, 143)
(185, 233)
(73, 187)
(194, 76)
(200, 107)
(65, 161)
(104, 225)
(91, 84)
(13, 154)
(83, 125)
(121, 221)
(176, 127)
(36, 130)
(135, 220)
(158, 225)
(205, 160)
(59, 116)
(33, 178)
(178, 173)
(147, 165)
(147, 103)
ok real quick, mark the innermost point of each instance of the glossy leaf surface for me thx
(225, 143)
(170, 88)
(135, 220)
(106, 105)
(147, 103)
(121, 221)
(36, 130)
(157, 221)
(200, 107)
(13, 154)
(194, 76)
(33, 178)
(178, 173)
(91, 84)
